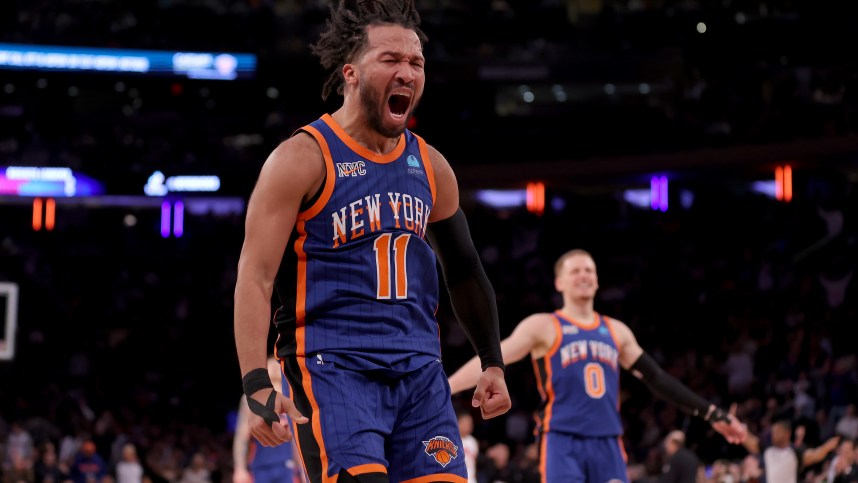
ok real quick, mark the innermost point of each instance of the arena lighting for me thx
(502, 198)
(8, 319)
(178, 219)
(536, 197)
(37, 214)
(193, 65)
(783, 183)
(160, 185)
(46, 181)
(658, 193)
(165, 219)
(48, 219)
(641, 198)
(767, 187)
(50, 214)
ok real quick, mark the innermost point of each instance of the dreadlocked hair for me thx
(346, 36)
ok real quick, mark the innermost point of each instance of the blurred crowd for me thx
(125, 338)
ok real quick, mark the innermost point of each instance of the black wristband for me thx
(265, 411)
(717, 415)
(255, 380)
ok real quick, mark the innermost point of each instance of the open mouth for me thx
(398, 104)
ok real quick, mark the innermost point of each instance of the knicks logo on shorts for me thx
(442, 449)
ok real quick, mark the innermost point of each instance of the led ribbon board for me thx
(193, 65)
(46, 181)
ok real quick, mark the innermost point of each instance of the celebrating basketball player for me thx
(577, 354)
(338, 225)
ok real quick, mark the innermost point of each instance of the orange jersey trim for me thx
(547, 390)
(543, 457)
(592, 325)
(359, 149)
(367, 468)
(330, 175)
(427, 162)
(613, 334)
(558, 339)
(437, 477)
(301, 351)
(301, 295)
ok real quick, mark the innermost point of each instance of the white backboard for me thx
(8, 319)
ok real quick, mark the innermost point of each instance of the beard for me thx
(375, 106)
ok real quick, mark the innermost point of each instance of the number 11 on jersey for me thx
(383, 268)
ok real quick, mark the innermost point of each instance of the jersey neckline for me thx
(581, 325)
(360, 149)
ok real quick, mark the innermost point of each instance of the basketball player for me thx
(338, 225)
(577, 354)
(254, 463)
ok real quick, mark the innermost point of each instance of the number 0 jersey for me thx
(579, 379)
(359, 284)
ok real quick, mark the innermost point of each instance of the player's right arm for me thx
(290, 175)
(533, 335)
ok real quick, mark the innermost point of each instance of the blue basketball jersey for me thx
(366, 286)
(579, 379)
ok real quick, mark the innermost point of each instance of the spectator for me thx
(751, 470)
(20, 468)
(129, 469)
(783, 461)
(48, 468)
(847, 426)
(19, 444)
(197, 471)
(88, 465)
(470, 445)
(682, 463)
(844, 468)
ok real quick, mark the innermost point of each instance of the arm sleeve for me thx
(471, 293)
(670, 389)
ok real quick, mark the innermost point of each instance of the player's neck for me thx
(580, 310)
(354, 123)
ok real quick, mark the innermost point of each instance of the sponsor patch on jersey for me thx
(412, 161)
(442, 449)
(358, 168)
(603, 330)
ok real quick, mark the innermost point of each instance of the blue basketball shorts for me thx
(367, 422)
(573, 459)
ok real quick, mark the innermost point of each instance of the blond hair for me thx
(558, 265)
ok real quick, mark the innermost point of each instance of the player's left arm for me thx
(644, 367)
(471, 294)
